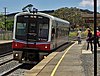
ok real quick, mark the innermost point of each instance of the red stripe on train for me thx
(40, 46)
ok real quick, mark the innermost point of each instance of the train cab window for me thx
(43, 28)
(21, 31)
(32, 28)
(21, 28)
(38, 28)
(43, 31)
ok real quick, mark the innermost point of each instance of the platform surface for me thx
(5, 41)
(73, 61)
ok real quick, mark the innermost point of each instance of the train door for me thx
(38, 28)
(32, 28)
(53, 36)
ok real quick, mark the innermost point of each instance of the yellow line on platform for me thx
(54, 70)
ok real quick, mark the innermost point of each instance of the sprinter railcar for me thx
(37, 34)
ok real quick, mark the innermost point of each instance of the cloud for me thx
(85, 3)
(90, 4)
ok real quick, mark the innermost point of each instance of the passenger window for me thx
(53, 31)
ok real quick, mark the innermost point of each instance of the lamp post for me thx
(95, 41)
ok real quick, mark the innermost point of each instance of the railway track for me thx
(7, 64)
(4, 59)
(18, 72)
(21, 70)
(9, 67)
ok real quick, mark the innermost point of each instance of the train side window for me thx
(53, 31)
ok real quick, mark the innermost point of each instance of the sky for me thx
(17, 5)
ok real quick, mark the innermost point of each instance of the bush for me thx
(72, 34)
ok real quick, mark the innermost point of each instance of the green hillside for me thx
(73, 15)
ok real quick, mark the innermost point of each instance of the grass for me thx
(74, 34)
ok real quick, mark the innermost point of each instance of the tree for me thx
(10, 24)
(1, 22)
(73, 15)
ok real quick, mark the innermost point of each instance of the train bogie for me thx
(29, 55)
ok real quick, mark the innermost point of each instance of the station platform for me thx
(5, 41)
(5, 47)
(69, 62)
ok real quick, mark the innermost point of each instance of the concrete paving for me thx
(5, 41)
(76, 61)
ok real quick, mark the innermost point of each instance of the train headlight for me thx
(16, 55)
(15, 44)
(23, 59)
(46, 47)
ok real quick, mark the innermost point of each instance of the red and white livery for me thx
(36, 34)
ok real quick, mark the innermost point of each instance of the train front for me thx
(31, 34)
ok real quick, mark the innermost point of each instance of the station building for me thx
(89, 19)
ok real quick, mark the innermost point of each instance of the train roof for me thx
(43, 14)
(54, 18)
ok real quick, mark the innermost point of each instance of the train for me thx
(36, 35)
